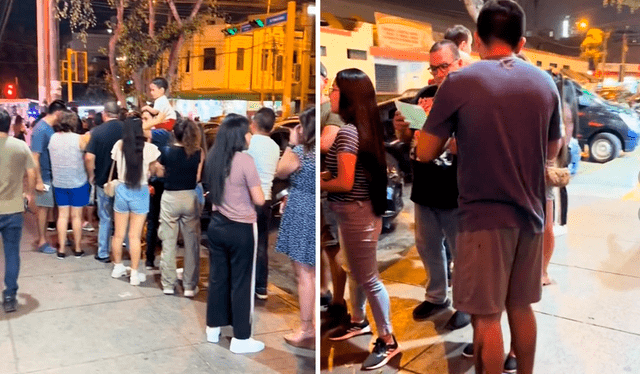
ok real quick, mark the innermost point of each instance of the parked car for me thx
(606, 128)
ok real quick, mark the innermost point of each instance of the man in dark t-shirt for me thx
(98, 160)
(506, 117)
(435, 194)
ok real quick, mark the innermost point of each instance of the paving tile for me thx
(7, 358)
(66, 337)
(68, 290)
(598, 298)
(166, 361)
(222, 360)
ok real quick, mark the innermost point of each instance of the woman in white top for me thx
(70, 180)
(135, 159)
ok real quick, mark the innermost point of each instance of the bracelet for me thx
(291, 145)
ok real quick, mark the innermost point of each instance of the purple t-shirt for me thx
(236, 202)
(503, 113)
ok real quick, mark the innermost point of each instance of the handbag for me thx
(111, 185)
(557, 177)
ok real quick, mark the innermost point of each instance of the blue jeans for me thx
(358, 231)
(105, 213)
(433, 226)
(11, 230)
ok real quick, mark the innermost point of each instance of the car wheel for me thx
(604, 147)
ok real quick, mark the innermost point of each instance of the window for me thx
(566, 67)
(240, 59)
(188, 62)
(553, 65)
(356, 54)
(539, 63)
(209, 59)
(295, 57)
(323, 50)
(265, 59)
(279, 68)
(386, 78)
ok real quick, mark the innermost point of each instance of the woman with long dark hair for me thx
(134, 159)
(179, 209)
(235, 190)
(357, 194)
(297, 234)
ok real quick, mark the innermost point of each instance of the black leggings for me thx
(231, 274)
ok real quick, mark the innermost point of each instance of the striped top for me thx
(347, 141)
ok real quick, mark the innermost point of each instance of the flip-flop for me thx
(46, 248)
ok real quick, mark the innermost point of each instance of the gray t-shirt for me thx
(504, 113)
(67, 160)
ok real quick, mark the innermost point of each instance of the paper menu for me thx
(413, 114)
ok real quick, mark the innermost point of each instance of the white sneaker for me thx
(169, 290)
(559, 230)
(213, 334)
(191, 293)
(119, 270)
(135, 278)
(240, 346)
(179, 272)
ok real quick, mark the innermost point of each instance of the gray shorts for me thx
(45, 199)
(495, 269)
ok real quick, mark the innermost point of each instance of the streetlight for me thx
(583, 24)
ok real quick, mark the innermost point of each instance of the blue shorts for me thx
(128, 200)
(75, 197)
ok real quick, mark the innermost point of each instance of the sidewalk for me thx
(74, 318)
(587, 319)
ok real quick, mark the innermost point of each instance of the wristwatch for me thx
(291, 145)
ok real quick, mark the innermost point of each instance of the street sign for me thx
(246, 27)
(278, 18)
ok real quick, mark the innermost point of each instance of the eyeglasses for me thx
(444, 67)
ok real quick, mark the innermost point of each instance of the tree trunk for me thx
(113, 65)
(139, 84)
(152, 19)
(174, 61)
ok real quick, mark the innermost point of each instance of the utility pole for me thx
(289, 35)
(305, 66)
(54, 45)
(625, 49)
(43, 55)
(607, 34)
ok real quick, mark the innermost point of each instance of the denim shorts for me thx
(129, 200)
(75, 197)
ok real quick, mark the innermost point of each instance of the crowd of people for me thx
(481, 198)
(153, 168)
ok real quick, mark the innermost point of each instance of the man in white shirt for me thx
(161, 105)
(265, 153)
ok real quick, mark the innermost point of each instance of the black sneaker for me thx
(261, 293)
(468, 350)
(335, 315)
(78, 254)
(350, 330)
(510, 365)
(61, 255)
(458, 320)
(51, 226)
(381, 354)
(427, 309)
(9, 304)
(105, 260)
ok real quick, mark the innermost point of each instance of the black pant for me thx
(153, 218)
(231, 253)
(262, 258)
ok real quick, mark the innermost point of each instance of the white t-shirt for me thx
(265, 153)
(150, 153)
(163, 106)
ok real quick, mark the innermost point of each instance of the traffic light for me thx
(256, 23)
(230, 31)
(10, 91)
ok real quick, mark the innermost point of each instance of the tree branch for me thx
(174, 11)
(152, 19)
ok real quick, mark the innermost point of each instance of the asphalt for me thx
(587, 319)
(74, 318)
